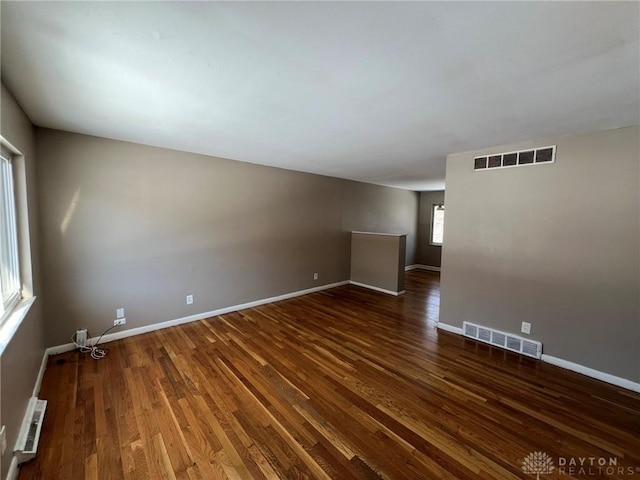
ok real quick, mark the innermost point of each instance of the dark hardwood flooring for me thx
(346, 383)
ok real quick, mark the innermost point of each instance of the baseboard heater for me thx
(508, 341)
(27, 443)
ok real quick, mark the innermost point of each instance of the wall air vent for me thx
(531, 348)
(470, 330)
(484, 334)
(514, 343)
(499, 339)
(532, 156)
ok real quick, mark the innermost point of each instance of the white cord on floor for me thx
(96, 353)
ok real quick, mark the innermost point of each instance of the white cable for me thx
(96, 353)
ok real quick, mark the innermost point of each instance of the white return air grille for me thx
(29, 436)
(524, 346)
(519, 158)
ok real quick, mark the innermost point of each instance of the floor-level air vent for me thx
(504, 340)
(27, 443)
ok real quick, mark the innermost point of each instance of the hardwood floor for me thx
(345, 383)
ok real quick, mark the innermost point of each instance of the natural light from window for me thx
(437, 224)
(9, 267)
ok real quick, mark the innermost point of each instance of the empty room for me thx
(225, 252)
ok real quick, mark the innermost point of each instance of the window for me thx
(10, 271)
(437, 224)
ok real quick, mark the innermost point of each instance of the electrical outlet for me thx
(315, 276)
(81, 337)
(3, 440)
(120, 312)
(189, 299)
(119, 321)
(526, 328)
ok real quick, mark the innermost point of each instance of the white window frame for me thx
(431, 230)
(10, 281)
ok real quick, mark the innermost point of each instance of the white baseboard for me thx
(43, 367)
(575, 367)
(67, 347)
(429, 267)
(12, 474)
(377, 289)
(590, 372)
(449, 328)
(421, 267)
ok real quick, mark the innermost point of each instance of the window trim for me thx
(433, 208)
(10, 325)
(20, 302)
(10, 230)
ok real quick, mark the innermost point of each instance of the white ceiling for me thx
(377, 92)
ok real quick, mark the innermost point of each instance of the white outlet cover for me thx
(81, 337)
(315, 276)
(526, 328)
(119, 312)
(119, 321)
(189, 299)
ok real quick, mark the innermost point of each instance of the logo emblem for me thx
(537, 463)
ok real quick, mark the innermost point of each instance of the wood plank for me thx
(346, 383)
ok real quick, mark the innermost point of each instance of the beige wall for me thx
(378, 260)
(368, 208)
(21, 359)
(555, 245)
(427, 254)
(139, 227)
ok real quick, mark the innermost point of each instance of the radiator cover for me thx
(27, 443)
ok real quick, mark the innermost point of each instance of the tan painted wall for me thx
(367, 208)
(21, 359)
(378, 260)
(555, 245)
(427, 254)
(139, 227)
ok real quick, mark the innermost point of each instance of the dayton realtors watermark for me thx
(576, 466)
(540, 463)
